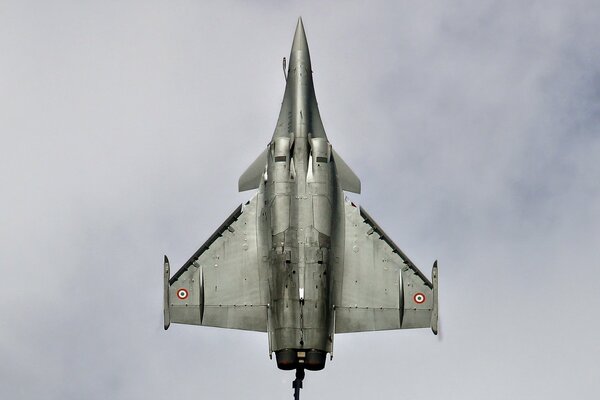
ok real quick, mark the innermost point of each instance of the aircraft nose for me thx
(300, 46)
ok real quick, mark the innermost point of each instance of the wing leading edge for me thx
(220, 285)
(381, 288)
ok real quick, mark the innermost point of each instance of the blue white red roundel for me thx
(419, 298)
(182, 294)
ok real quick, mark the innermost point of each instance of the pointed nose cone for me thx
(300, 46)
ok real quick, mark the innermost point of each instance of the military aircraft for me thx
(299, 260)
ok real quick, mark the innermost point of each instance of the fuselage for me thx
(301, 197)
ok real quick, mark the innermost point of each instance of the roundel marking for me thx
(182, 294)
(419, 298)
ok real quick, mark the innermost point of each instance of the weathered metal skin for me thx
(299, 260)
(300, 192)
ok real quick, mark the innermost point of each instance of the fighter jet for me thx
(300, 261)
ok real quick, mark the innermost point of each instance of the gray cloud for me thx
(125, 126)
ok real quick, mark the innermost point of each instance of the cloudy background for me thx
(125, 125)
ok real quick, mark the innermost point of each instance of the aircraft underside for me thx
(299, 260)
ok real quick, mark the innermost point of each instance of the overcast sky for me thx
(474, 127)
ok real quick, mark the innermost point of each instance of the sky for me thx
(475, 130)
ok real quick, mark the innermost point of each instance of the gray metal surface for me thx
(379, 283)
(299, 261)
(254, 175)
(221, 284)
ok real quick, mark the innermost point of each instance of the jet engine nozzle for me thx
(312, 360)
